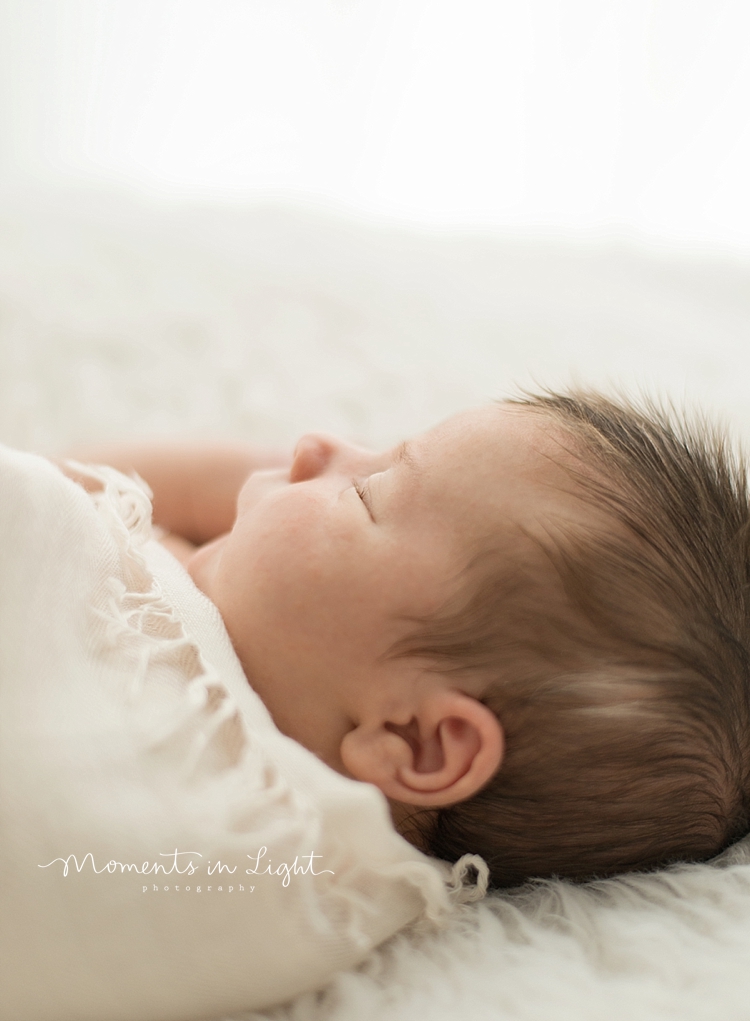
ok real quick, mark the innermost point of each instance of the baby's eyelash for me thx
(361, 491)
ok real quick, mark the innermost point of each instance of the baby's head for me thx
(528, 627)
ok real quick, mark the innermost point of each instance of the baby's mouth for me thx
(260, 484)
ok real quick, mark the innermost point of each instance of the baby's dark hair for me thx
(625, 703)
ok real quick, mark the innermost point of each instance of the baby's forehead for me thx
(516, 431)
(491, 480)
(506, 454)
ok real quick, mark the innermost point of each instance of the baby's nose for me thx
(317, 453)
(312, 455)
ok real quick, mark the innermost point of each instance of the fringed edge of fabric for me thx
(204, 726)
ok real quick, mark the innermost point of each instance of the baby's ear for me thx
(450, 748)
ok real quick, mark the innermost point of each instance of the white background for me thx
(626, 116)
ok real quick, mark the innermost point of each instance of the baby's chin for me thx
(203, 563)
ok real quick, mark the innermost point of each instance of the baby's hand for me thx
(195, 485)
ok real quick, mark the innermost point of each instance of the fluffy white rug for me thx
(119, 318)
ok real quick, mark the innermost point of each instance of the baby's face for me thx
(328, 562)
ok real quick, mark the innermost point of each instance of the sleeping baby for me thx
(528, 626)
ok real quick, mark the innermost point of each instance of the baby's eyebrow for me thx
(403, 454)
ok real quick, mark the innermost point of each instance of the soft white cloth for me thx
(129, 734)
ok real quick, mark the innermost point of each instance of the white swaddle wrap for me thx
(129, 737)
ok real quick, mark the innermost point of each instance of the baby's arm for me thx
(195, 485)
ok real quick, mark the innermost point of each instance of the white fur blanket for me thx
(117, 318)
